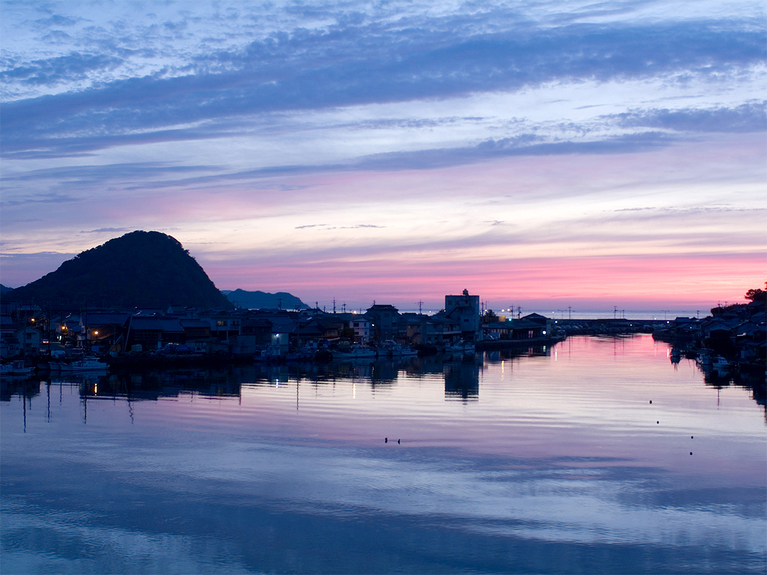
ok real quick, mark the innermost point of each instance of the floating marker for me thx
(398, 442)
(386, 440)
(691, 453)
(651, 401)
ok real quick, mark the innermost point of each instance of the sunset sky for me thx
(543, 154)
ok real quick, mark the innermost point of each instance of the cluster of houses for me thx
(29, 330)
(737, 334)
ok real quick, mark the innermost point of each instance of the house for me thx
(717, 329)
(196, 333)
(101, 329)
(195, 329)
(153, 332)
(29, 339)
(9, 343)
(284, 335)
(255, 335)
(516, 330)
(414, 327)
(362, 327)
(441, 330)
(223, 325)
(67, 329)
(384, 319)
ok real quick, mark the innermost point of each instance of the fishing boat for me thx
(461, 348)
(85, 364)
(356, 353)
(721, 364)
(393, 349)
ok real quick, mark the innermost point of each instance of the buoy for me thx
(691, 453)
(657, 422)
(398, 442)
(651, 401)
(386, 440)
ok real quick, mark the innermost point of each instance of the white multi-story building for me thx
(361, 326)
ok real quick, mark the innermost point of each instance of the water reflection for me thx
(578, 458)
(462, 381)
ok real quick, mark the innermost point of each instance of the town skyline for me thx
(546, 155)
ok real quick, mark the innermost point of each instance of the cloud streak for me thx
(366, 65)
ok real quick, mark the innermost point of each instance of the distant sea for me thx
(619, 314)
(602, 314)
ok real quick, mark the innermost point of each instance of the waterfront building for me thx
(464, 309)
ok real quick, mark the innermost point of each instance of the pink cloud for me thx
(631, 282)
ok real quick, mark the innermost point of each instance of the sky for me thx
(541, 154)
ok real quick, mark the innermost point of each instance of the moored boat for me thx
(85, 364)
(356, 353)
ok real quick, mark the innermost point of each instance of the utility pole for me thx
(334, 306)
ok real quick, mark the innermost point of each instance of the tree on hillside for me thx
(757, 294)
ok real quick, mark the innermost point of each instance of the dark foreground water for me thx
(598, 456)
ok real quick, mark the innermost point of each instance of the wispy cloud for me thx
(362, 65)
(420, 136)
(748, 117)
(331, 228)
(107, 231)
(60, 69)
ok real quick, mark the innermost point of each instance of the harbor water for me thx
(594, 456)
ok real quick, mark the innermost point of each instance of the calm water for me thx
(598, 455)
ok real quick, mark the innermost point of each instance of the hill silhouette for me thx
(139, 269)
(263, 300)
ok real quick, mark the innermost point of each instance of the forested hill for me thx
(139, 269)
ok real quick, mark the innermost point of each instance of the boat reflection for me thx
(460, 376)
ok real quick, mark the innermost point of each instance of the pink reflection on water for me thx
(587, 402)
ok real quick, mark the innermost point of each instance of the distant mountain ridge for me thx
(263, 300)
(139, 269)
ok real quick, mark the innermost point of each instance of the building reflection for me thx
(462, 381)
(461, 377)
(518, 352)
(23, 387)
(152, 385)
